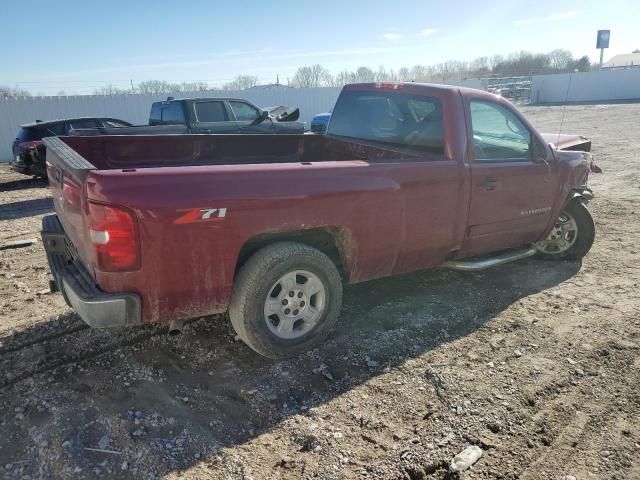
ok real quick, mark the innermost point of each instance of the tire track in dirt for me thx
(567, 420)
(56, 357)
(42, 339)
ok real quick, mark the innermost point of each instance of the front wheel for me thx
(286, 299)
(571, 236)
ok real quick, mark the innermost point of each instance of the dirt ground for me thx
(537, 363)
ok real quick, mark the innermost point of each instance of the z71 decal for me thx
(196, 215)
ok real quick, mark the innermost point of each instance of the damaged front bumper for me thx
(97, 308)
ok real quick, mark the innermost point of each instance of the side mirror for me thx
(261, 118)
(539, 151)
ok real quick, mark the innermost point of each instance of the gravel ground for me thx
(536, 363)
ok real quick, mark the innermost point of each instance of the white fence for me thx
(135, 108)
(598, 86)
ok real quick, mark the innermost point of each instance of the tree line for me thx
(515, 64)
(157, 87)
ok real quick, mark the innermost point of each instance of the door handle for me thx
(489, 183)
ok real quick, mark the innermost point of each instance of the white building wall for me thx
(597, 86)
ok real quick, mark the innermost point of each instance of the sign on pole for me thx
(603, 42)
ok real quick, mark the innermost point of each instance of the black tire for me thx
(585, 236)
(254, 282)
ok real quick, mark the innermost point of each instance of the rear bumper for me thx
(97, 308)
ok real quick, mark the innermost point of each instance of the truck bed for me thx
(361, 195)
(142, 151)
(133, 152)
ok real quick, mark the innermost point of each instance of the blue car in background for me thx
(320, 122)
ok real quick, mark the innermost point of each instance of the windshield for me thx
(390, 118)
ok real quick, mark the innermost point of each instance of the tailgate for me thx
(67, 171)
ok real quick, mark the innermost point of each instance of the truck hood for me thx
(568, 142)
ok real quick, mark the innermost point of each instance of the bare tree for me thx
(110, 90)
(194, 87)
(241, 82)
(384, 75)
(311, 77)
(343, 78)
(560, 59)
(404, 74)
(11, 92)
(365, 74)
(156, 87)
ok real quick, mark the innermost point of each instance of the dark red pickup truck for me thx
(269, 227)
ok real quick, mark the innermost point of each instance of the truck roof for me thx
(51, 122)
(412, 85)
(198, 99)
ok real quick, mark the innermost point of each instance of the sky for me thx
(79, 46)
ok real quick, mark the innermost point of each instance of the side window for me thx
(244, 111)
(172, 113)
(498, 135)
(211, 112)
(84, 123)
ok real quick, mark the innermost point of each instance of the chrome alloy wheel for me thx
(562, 237)
(294, 304)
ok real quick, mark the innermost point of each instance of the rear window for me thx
(172, 113)
(26, 135)
(162, 113)
(211, 112)
(390, 118)
(29, 134)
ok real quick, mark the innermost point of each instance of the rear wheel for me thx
(286, 299)
(571, 236)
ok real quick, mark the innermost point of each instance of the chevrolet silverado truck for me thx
(177, 116)
(409, 176)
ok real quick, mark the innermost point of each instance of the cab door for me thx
(512, 186)
(212, 116)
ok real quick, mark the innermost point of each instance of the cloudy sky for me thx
(78, 46)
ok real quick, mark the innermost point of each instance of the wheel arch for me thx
(583, 195)
(335, 242)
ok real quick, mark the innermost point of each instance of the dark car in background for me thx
(320, 122)
(28, 151)
(182, 116)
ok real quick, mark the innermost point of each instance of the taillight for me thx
(114, 235)
(389, 86)
(30, 144)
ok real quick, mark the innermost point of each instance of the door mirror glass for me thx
(539, 151)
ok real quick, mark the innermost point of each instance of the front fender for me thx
(584, 195)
